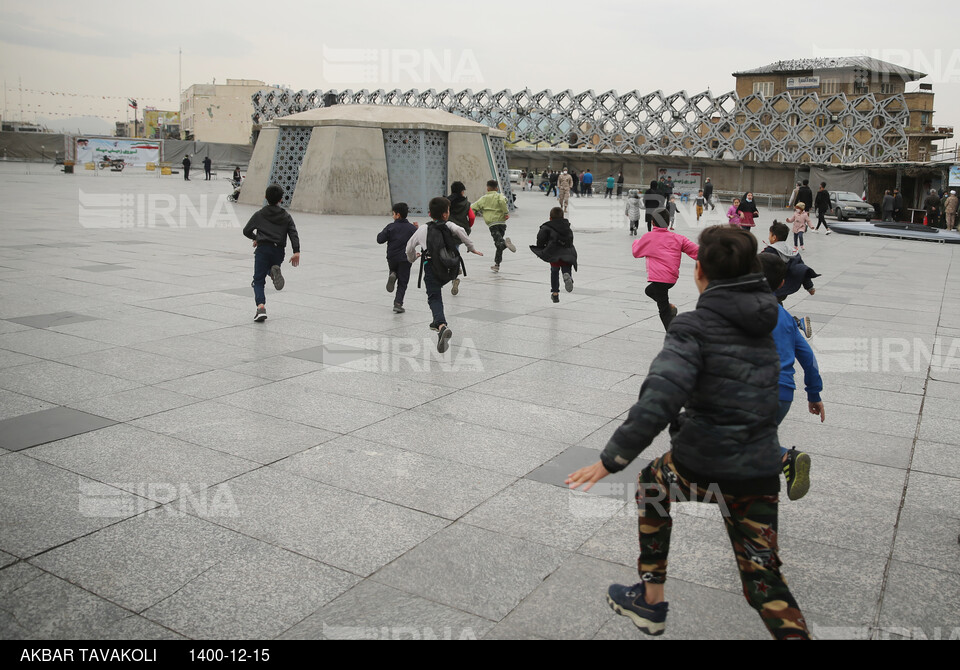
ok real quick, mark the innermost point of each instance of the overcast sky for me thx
(104, 52)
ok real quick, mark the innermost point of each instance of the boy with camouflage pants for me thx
(715, 383)
(495, 212)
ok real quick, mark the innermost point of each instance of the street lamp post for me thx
(42, 155)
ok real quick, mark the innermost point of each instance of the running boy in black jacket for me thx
(395, 236)
(715, 383)
(273, 225)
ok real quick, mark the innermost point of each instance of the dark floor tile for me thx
(30, 430)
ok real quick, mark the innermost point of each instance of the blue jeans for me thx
(434, 294)
(555, 272)
(781, 415)
(264, 258)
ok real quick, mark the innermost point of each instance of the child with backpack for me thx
(495, 212)
(663, 250)
(555, 246)
(632, 209)
(798, 273)
(440, 261)
(715, 385)
(395, 236)
(791, 347)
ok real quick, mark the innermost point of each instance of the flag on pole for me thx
(133, 103)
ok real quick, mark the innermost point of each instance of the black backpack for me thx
(445, 260)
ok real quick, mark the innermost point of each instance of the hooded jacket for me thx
(634, 205)
(273, 225)
(460, 210)
(798, 273)
(715, 383)
(555, 243)
(805, 195)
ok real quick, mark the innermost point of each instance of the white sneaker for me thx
(829, 231)
(455, 289)
(510, 245)
(495, 268)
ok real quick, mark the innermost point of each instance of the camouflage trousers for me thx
(751, 523)
(564, 198)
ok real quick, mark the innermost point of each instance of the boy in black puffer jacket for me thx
(555, 246)
(715, 383)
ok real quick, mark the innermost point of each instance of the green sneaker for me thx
(796, 469)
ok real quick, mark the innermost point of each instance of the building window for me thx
(764, 88)
(924, 118)
(821, 120)
(830, 86)
(887, 88)
(793, 119)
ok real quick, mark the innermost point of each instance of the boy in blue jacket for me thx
(395, 236)
(791, 346)
(715, 385)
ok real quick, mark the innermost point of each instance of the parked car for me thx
(515, 176)
(846, 205)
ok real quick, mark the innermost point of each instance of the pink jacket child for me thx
(800, 221)
(733, 216)
(663, 250)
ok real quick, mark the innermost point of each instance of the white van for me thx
(515, 176)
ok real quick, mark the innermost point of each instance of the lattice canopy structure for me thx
(359, 159)
(782, 128)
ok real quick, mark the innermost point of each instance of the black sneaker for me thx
(391, 282)
(443, 339)
(555, 297)
(568, 281)
(398, 309)
(261, 315)
(434, 326)
(629, 601)
(277, 278)
(796, 470)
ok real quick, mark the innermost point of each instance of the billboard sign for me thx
(133, 152)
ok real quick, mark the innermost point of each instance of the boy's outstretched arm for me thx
(668, 386)
(811, 375)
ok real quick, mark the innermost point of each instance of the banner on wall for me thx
(133, 152)
(684, 181)
(955, 175)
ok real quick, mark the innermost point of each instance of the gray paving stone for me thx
(56, 319)
(823, 439)
(371, 386)
(277, 368)
(43, 506)
(149, 465)
(135, 365)
(49, 425)
(339, 528)
(11, 359)
(937, 429)
(14, 404)
(15, 576)
(848, 522)
(48, 608)
(921, 600)
(585, 400)
(396, 616)
(240, 432)
(104, 268)
(439, 487)
(213, 384)
(295, 401)
(60, 384)
(933, 494)
(254, 594)
(6, 559)
(490, 448)
(143, 560)
(48, 344)
(546, 514)
(620, 485)
(500, 572)
(133, 404)
(534, 420)
(929, 540)
(937, 459)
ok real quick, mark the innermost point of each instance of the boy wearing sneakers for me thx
(395, 236)
(439, 209)
(494, 210)
(715, 384)
(792, 347)
(273, 225)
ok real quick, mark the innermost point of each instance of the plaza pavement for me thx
(168, 468)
